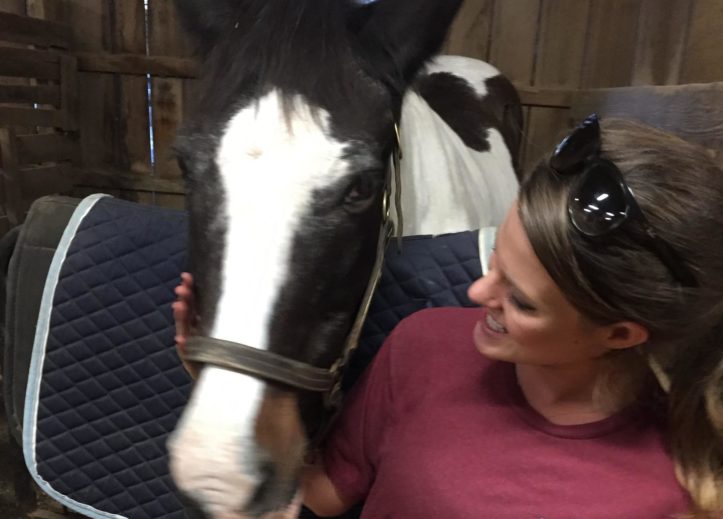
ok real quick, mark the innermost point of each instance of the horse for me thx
(286, 163)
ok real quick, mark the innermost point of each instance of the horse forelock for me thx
(276, 44)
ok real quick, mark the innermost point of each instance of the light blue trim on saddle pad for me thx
(38, 357)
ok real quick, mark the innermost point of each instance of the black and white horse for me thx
(286, 162)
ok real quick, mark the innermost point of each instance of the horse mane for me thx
(299, 47)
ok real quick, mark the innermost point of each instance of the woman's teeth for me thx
(494, 325)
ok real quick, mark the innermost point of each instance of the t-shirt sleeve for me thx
(352, 450)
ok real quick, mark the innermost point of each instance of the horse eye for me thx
(361, 191)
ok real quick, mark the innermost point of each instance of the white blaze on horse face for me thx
(270, 164)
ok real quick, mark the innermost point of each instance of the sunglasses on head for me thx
(600, 200)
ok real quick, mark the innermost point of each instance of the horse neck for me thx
(446, 186)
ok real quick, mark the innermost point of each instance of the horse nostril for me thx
(273, 492)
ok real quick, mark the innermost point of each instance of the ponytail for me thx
(696, 424)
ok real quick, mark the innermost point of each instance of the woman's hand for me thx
(319, 493)
(184, 314)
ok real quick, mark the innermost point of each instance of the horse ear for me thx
(398, 36)
(205, 20)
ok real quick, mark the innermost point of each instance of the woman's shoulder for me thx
(442, 322)
(435, 339)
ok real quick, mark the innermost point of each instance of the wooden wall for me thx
(117, 109)
(548, 47)
(582, 44)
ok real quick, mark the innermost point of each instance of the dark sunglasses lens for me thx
(597, 202)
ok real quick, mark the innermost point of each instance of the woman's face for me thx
(526, 318)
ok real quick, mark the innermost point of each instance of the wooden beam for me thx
(46, 180)
(27, 117)
(41, 94)
(188, 68)
(38, 64)
(138, 64)
(11, 197)
(46, 147)
(114, 179)
(547, 97)
(69, 93)
(25, 29)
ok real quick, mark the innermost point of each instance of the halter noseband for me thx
(273, 367)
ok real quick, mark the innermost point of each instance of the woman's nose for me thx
(483, 291)
(477, 290)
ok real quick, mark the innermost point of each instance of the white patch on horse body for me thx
(446, 186)
(263, 155)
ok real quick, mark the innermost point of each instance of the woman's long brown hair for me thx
(679, 187)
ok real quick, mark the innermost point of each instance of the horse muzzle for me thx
(238, 449)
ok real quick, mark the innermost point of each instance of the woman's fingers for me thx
(184, 318)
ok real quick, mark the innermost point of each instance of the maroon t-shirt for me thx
(435, 430)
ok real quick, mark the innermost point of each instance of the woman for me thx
(599, 389)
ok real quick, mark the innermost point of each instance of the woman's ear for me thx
(624, 334)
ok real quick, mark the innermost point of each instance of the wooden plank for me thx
(167, 117)
(69, 93)
(13, 6)
(546, 127)
(46, 180)
(4, 222)
(167, 37)
(41, 94)
(611, 41)
(471, 30)
(560, 50)
(703, 59)
(171, 201)
(512, 50)
(12, 195)
(694, 112)
(53, 10)
(133, 140)
(29, 117)
(98, 104)
(47, 147)
(561, 43)
(514, 33)
(106, 178)
(138, 64)
(662, 35)
(24, 29)
(29, 63)
(16, 7)
(548, 97)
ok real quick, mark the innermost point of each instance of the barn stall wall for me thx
(136, 74)
(560, 46)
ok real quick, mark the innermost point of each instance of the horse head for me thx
(286, 163)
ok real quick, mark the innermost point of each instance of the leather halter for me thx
(273, 367)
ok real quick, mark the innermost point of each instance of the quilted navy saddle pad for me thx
(105, 386)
